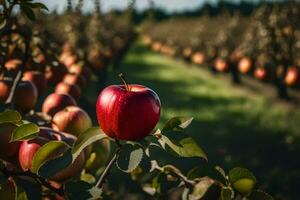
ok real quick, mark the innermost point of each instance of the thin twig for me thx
(10, 99)
(39, 179)
(109, 166)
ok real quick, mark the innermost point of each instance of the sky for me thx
(169, 5)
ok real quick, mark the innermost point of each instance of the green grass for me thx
(235, 126)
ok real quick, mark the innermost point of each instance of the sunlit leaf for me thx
(130, 157)
(242, 180)
(46, 152)
(25, 131)
(85, 139)
(206, 169)
(51, 167)
(10, 116)
(182, 145)
(177, 124)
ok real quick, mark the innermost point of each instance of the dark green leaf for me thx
(38, 6)
(130, 157)
(25, 131)
(177, 124)
(45, 152)
(206, 169)
(85, 139)
(51, 167)
(182, 145)
(9, 116)
(28, 12)
(3, 23)
(32, 189)
(161, 184)
(78, 190)
(260, 195)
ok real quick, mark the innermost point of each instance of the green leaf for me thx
(25, 131)
(177, 124)
(78, 190)
(205, 189)
(38, 5)
(206, 169)
(51, 167)
(161, 184)
(28, 12)
(45, 152)
(226, 193)
(3, 23)
(10, 116)
(182, 145)
(20, 193)
(130, 157)
(260, 195)
(89, 178)
(242, 180)
(85, 139)
(33, 189)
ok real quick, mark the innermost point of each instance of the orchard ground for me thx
(236, 126)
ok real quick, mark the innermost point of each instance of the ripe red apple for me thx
(221, 65)
(74, 79)
(28, 150)
(245, 65)
(12, 64)
(26, 95)
(55, 73)
(292, 76)
(7, 149)
(68, 59)
(65, 88)
(198, 58)
(80, 70)
(260, 73)
(56, 102)
(38, 78)
(187, 52)
(127, 112)
(5, 85)
(71, 119)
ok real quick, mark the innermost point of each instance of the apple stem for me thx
(122, 77)
(109, 166)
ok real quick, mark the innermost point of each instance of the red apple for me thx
(292, 76)
(26, 95)
(74, 79)
(5, 85)
(260, 73)
(128, 113)
(80, 70)
(55, 73)
(12, 64)
(7, 149)
(65, 88)
(68, 59)
(56, 102)
(245, 65)
(221, 65)
(28, 150)
(38, 79)
(72, 120)
(198, 58)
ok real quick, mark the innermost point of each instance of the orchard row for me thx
(264, 45)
